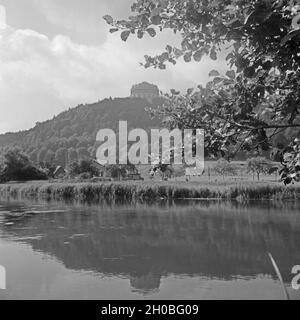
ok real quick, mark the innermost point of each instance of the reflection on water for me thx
(200, 250)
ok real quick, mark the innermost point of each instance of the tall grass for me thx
(278, 273)
(132, 191)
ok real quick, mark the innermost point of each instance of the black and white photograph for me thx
(149, 151)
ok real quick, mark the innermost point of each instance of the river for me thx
(183, 250)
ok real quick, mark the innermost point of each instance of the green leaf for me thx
(290, 36)
(125, 35)
(273, 170)
(218, 80)
(230, 74)
(213, 55)
(177, 52)
(229, 56)
(288, 180)
(156, 20)
(190, 91)
(169, 49)
(267, 65)
(108, 19)
(198, 55)
(249, 72)
(151, 32)
(113, 30)
(188, 57)
(164, 56)
(213, 73)
(175, 92)
(140, 34)
(234, 23)
(258, 16)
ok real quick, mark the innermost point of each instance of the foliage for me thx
(258, 166)
(48, 168)
(223, 167)
(85, 176)
(137, 191)
(120, 170)
(84, 167)
(291, 170)
(117, 171)
(166, 170)
(72, 155)
(83, 122)
(258, 98)
(61, 157)
(17, 167)
(49, 157)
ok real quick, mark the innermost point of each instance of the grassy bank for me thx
(144, 191)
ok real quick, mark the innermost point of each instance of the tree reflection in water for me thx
(220, 240)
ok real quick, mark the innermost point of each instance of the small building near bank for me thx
(59, 172)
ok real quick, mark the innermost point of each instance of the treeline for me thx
(256, 166)
(71, 136)
(16, 166)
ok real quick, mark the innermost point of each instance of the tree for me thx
(258, 166)
(121, 170)
(291, 162)
(66, 132)
(82, 143)
(74, 169)
(223, 167)
(166, 170)
(17, 167)
(72, 155)
(50, 156)
(117, 171)
(41, 155)
(48, 168)
(88, 167)
(61, 156)
(258, 97)
(83, 153)
(72, 142)
(62, 142)
(34, 156)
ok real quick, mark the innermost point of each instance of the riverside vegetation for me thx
(16, 164)
(144, 191)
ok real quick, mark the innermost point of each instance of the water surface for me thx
(182, 250)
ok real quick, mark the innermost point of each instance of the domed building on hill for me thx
(145, 90)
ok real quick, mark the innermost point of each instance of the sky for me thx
(57, 54)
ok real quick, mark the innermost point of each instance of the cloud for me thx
(2, 17)
(40, 76)
(82, 20)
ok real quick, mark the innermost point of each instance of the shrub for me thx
(258, 166)
(223, 167)
(87, 167)
(17, 167)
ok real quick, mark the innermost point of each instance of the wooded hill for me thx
(72, 134)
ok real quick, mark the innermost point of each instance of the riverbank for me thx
(145, 191)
